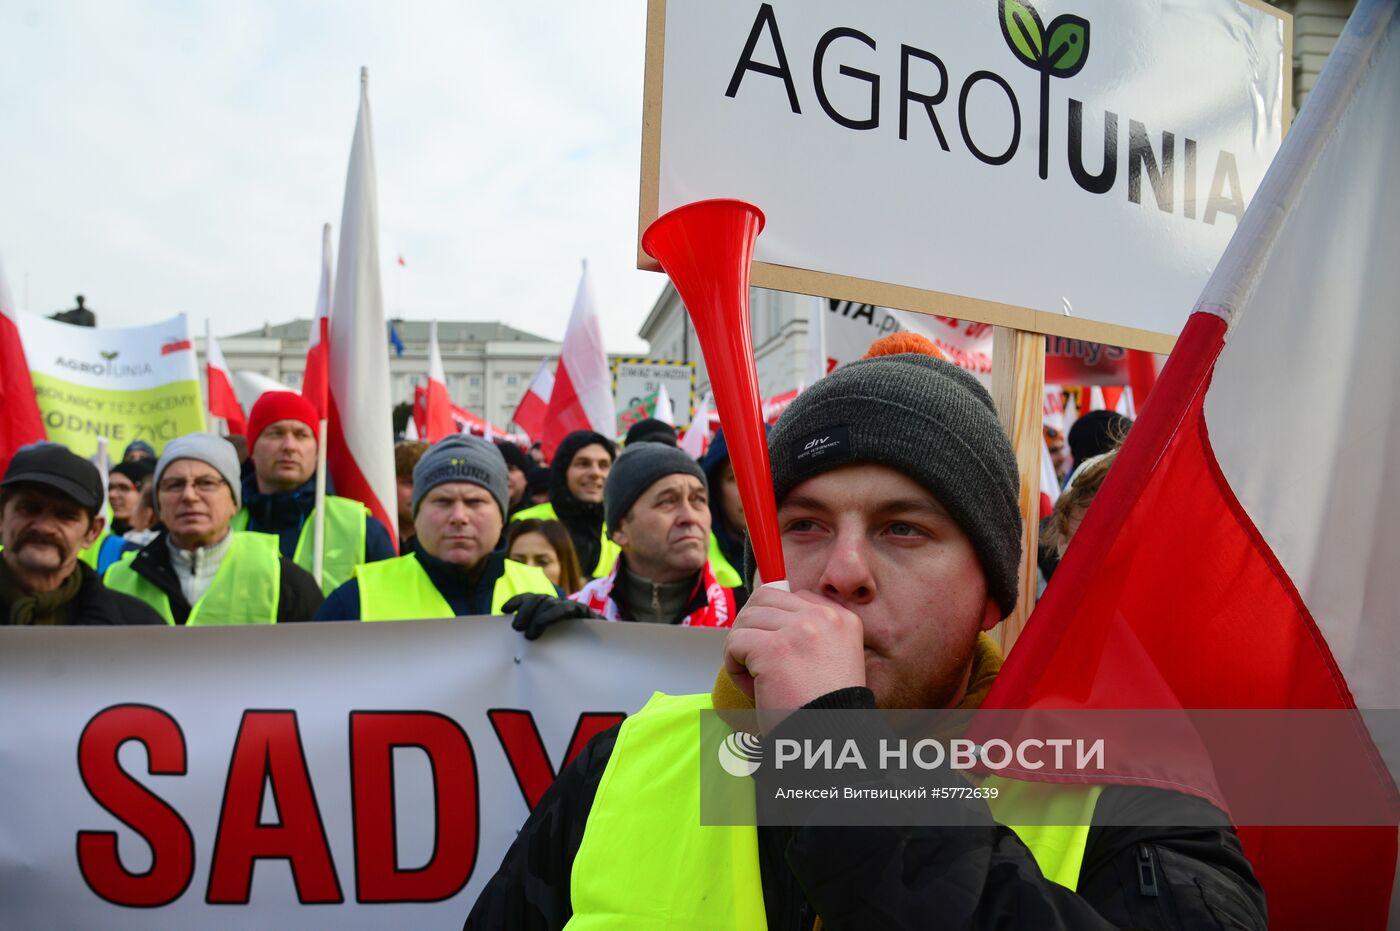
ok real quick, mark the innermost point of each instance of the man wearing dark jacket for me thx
(49, 512)
(460, 496)
(279, 493)
(576, 478)
(200, 571)
(901, 537)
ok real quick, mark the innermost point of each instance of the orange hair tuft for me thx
(905, 341)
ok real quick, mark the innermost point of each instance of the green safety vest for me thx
(245, 590)
(606, 556)
(345, 540)
(646, 861)
(400, 589)
(725, 574)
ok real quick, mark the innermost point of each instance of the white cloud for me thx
(166, 157)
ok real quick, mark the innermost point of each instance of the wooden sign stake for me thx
(1018, 389)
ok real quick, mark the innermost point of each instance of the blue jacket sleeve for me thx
(343, 604)
(377, 543)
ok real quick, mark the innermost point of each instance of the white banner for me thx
(851, 327)
(302, 775)
(1087, 160)
(124, 383)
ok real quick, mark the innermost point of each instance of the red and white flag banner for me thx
(1241, 553)
(360, 456)
(313, 382)
(530, 414)
(20, 420)
(223, 402)
(439, 406)
(582, 397)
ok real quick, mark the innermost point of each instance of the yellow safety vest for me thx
(400, 589)
(345, 540)
(646, 862)
(725, 574)
(245, 589)
(606, 556)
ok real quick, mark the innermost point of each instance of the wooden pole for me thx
(1018, 388)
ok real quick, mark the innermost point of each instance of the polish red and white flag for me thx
(697, 435)
(1242, 551)
(533, 408)
(360, 456)
(313, 382)
(582, 397)
(439, 419)
(223, 402)
(20, 420)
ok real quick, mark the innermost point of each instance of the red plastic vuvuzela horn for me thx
(707, 248)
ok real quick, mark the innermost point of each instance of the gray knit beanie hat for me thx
(928, 419)
(638, 468)
(462, 458)
(208, 448)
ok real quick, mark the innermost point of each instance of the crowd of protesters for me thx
(212, 532)
(902, 543)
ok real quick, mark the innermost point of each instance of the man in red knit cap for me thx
(279, 493)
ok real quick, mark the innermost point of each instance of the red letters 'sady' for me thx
(268, 753)
(172, 845)
(373, 737)
(524, 747)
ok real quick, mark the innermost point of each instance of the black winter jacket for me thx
(97, 605)
(919, 877)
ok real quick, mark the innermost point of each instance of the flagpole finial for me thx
(364, 76)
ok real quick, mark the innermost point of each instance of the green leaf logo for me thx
(1059, 51)
(109, 356)
(1023, 31)
(1069, 45)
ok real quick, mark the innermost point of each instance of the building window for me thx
(474, 381)
(512, 380)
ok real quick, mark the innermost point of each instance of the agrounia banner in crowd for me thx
(124, 383)
(1073, 168)
(299, 775)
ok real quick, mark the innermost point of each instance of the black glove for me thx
(534, 612)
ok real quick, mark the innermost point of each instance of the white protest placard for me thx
(1070, 167)
(299, 775)
(124, 383)
(635, 379)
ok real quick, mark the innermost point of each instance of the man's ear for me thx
(94, 530)
(991, 614)
(619, 533)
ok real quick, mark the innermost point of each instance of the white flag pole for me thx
(318, 549)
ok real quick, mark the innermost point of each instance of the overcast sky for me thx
(161, 157)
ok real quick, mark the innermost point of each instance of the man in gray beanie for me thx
(461, 495)
(657, 508)
(897, 507)
(178, 574)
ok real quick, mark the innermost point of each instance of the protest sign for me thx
(636, 382)
(1075, 174)
(299, 775)
(852, 326)
(124, 383)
